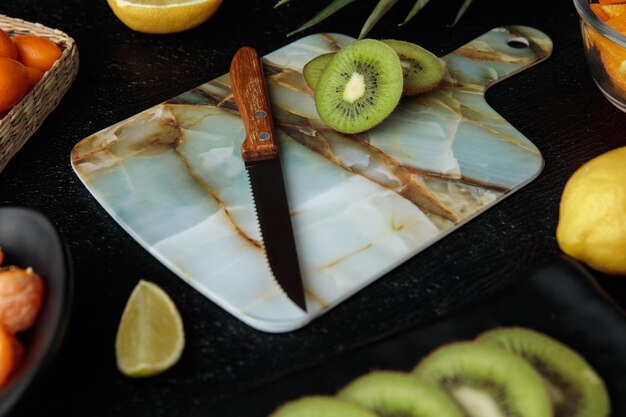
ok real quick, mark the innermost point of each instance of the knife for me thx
(260, 154)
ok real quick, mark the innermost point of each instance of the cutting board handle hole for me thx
(518, 42)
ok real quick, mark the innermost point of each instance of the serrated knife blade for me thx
(260, 154)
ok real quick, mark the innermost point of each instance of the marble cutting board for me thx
(172, 177)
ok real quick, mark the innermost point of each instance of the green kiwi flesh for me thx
(320, 406)
(313, 69)
(486, 381)
(396, 394)
(422, 71)
(575, 388)
(360, 86)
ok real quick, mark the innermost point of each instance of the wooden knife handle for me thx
(248, 84)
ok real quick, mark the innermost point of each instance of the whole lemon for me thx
(592, 218)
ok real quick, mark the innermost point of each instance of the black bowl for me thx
(28, 238)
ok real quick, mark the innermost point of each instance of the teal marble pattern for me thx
(172, 176)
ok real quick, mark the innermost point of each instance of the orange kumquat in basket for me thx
(34, 51)
(7, 47)
(34, 76)
(13, 83)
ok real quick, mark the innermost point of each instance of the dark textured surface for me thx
(555, 104)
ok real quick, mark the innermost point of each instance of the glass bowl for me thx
(605, 49)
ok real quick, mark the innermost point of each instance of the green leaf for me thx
(462, 10)
(328, 11)
(280, 3)
(419, 4)
(379, 11)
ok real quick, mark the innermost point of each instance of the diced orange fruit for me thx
(610, 10)
(10, 351)
(612, 55)
(598, 9)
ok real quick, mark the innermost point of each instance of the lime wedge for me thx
(150, 338)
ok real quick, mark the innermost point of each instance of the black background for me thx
(555, 104)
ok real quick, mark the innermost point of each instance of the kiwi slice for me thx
(360, 86)
(575, 388)
(486, 380)
(313, 69)
(320, 406)
(422, 71)
(394, 394)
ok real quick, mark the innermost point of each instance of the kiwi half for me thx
(486, 380)
(313, 69)
(422, 71)
(575, 388)
(320, 406)
(393, 394)
(360, 86)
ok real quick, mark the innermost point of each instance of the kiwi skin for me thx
(321, 406)
(575, 388)
(474, 373)
(359, 87)
(421, 69)
(313, 69)
(388, 393)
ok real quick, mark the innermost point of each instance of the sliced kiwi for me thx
(393, 394)
(575, 388)
(486, 380)
(360, 86)
(313, 69)
(320, 406)
(422, 71)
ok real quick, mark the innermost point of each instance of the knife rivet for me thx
(260, 114)
(264, 136)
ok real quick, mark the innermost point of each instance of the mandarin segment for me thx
(37, 52)
(21, 296)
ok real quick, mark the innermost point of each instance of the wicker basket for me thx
(26, 116)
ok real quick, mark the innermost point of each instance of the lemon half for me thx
(163, 16)
(592, 217)
(150, 338)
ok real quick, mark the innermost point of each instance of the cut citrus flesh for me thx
(608, 10)
(150, 338)
(611, 1)
(8, 354)
(163, 16)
